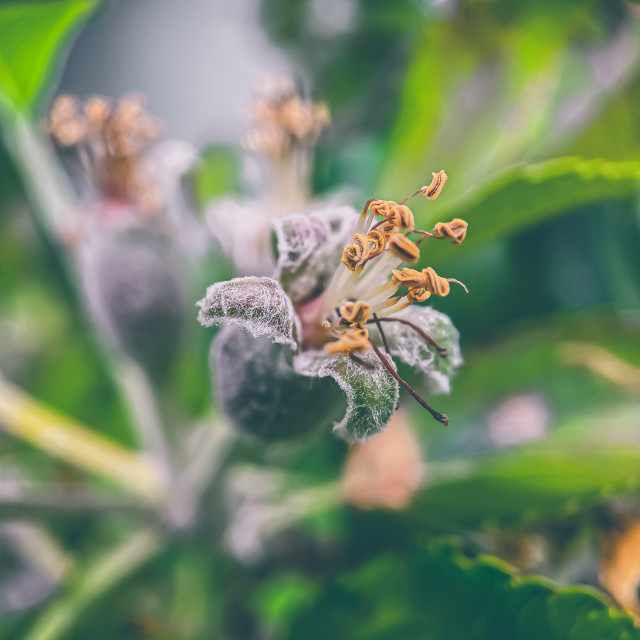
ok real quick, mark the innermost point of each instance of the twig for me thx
(68, 440)
(440, 417)
(136, 388)
(22, 496)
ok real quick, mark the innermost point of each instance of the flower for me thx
(284, 132)
(127, 242)
(336, 330)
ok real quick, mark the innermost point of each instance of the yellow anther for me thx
(355, 312)
(456, 230)
(408, 278)
(437, 184)
(384, 208)
(388, 227)
(377, 242)
(97, 110)
(351, 340)
(363, 242)
(435, 283)
(418, 294)
(404, 248)
(403, 217)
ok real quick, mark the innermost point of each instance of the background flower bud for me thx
(136, 293)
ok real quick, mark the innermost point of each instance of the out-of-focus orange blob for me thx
(386, 470)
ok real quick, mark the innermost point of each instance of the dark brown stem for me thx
(360, 361)
(384, 338)
(443, 352)
(440, 417)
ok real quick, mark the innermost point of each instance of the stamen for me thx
(413, 195)
(437, 185)
(440, 417)
(456, 230)
(348, 341)
(404, 248)
(355, 313)
(442, 351)
(384, 338)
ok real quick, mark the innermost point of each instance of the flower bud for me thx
(135, 292)
(261, 393)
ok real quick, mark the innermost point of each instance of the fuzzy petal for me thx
(309, 247)
(258, 305)
(409, 346)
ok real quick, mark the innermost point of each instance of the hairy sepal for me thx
(259, 390)
(308, 247)
(407, 345)
(258, 305)
(371, 392)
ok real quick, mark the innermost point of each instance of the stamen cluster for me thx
(284, 119)
(110, 140)
(360, 294)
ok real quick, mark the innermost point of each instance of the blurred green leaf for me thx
(526, 195)
(95, 580)
(535, 483)
(216, 175)
(436, 592)
(32, 39)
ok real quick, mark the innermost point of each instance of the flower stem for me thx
(443, 352)
(440, 417)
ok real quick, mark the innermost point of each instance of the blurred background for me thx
(531, 108)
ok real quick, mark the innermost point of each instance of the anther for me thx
(379, 241)
(407, 277)
(350, 340)
(355, 313)
(456, 230)
(437, 184)
(403, 248)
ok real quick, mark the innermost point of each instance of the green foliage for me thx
(216, 175)
(531, 484)
(437, 592)
(526, 195)
(32, 41)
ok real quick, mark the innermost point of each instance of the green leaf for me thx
(536, 483)
(258, 305)
(525, 195)
(371, 392)
(33, 37)
(437, 592)
(216, 175)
